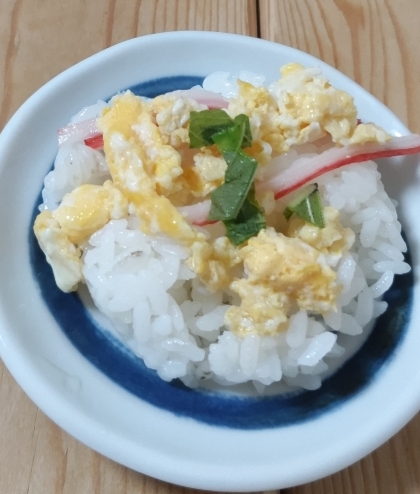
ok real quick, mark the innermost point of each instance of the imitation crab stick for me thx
(87, 131)
(80, 131)
(203, 96)
(95, 142)
(304, 170)
(197, 213)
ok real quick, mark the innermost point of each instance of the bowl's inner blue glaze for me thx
(118, 363)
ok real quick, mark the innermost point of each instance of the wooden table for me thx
(375, 42)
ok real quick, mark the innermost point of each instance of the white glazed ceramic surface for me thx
(101, 414)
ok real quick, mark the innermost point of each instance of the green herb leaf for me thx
(204, 124)
(309, 209)
(248, 222)
(235, 137)
(215, 126)
(301, 194)
(243, 121)
(234, 201)
(227, 200)
(229, 139)
(287, 213)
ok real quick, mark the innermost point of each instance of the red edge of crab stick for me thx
(96, 142)
(304, 170)
(78, 131)
(87, 131)
(197, 213)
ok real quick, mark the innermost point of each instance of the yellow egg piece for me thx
(281, 271)
(87, 209)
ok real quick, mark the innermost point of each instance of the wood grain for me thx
(41, 38)
(373, 41)
(38, 40)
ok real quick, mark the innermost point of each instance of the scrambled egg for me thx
(301, 107)
(172, 115)
(146, 144)
(61, 254)
(81, 213)
(136, 174)
(213, 262)
(281, 271)
(331, 241)
(88, 208)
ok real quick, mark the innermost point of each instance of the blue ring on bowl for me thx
(121, 365)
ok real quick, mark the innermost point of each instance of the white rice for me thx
(171, 321)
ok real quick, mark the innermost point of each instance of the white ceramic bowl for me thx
(118, 408)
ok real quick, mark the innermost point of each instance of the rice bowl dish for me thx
(141, 213)
(83, 365)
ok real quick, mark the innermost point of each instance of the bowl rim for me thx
(88, 430)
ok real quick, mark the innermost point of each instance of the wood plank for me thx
(38, 40)
(375, 42)
(41, 38)
(17, 433)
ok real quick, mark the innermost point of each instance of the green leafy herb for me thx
(287, 213)
(227, 200)
(215, 126)
(249, 221)
(242, 121)
(229, 139)
(234, 201)
(308, 207)
(206, 123)
(302, 194)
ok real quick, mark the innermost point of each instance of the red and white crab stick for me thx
(87, 131)
(305, 170)
(203, 97)
(80, 131)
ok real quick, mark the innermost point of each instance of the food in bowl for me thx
(230, 232)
